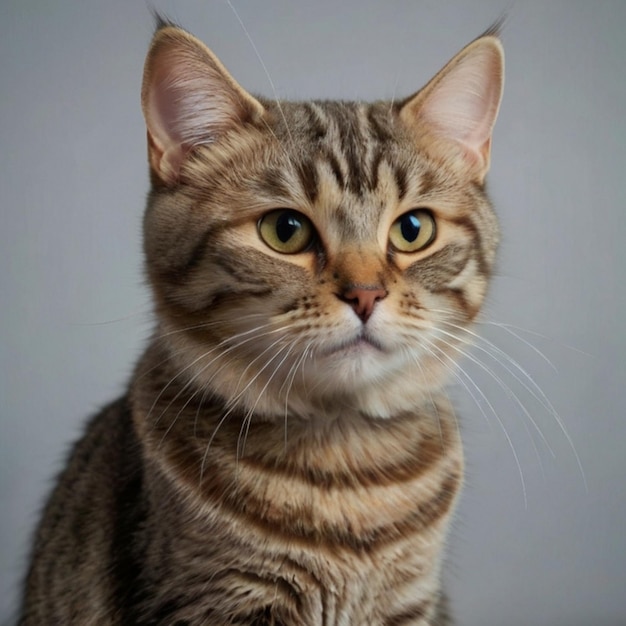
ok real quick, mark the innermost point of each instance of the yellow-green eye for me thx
(413, 231)
(286, 231)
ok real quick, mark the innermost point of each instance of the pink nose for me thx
(363, 298)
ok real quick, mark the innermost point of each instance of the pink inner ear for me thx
(162, 111)
(188, 103)
(188, 99)
(463, 102)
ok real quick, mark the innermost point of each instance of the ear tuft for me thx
(461, 102)
(188, 99)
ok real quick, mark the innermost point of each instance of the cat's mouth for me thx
(362, 343)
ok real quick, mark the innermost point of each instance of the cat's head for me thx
(312, 255)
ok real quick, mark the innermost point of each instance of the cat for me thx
(285, 453)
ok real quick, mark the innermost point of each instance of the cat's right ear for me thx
(188, 99)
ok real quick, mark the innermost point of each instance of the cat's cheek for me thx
(473, 285)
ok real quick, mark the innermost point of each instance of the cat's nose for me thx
(363, 298)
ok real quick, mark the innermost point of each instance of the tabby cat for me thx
(285, 453)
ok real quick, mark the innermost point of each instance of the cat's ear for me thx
(461, 102)
(188, 99)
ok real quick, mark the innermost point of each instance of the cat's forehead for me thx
(350, 160)
(352, 136)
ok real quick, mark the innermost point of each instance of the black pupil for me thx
(286, 225)
(410, 227)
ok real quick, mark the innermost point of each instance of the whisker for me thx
(174, 353)
(135, 314)
(202, 356)
(539, 395)
(510, 393)
(209, 325)
(491, 408)
(251, 363)
(267, 74)
(232, 403)
(526, 343)
(205, 456)
(205, 393)
(250, 413)
(289, 379)
(508, 328)
(433, 404)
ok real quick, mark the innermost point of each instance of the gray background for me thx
(532, 544)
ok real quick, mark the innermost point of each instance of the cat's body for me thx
(285, 453)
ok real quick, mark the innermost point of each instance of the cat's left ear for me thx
(461, 102)
(188, 99)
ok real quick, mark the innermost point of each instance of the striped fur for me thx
(285, 453)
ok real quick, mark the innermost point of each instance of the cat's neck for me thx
(168, 404)
(203, 371)
(317, 476)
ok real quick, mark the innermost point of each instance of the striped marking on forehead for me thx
(346, 161)
(349, 160)
(353, 146)
(351, 139)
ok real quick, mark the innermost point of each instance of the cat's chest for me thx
(360, 485)
(283, 583)
(348, 535)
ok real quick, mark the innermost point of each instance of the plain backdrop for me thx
(540, 535)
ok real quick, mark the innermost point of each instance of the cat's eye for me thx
(286, 231)
(413, 231)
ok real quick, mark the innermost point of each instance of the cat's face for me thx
(317, 256)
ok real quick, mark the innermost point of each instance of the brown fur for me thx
(285, 453)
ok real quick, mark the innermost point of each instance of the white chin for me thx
(352, 367)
